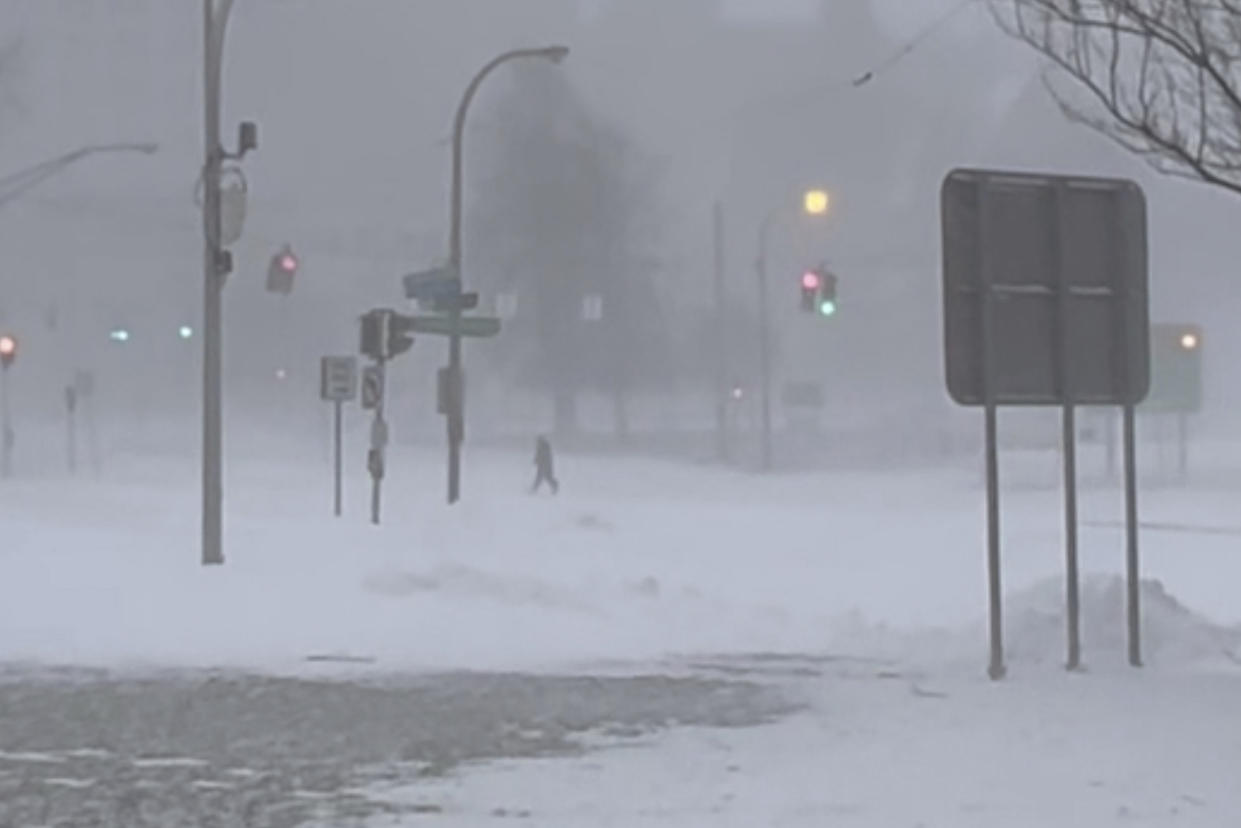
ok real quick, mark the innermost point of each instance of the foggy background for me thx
(594, 178)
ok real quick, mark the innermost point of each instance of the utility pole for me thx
(721, 336)
(7, 437)
(455, 414)
(217, 263)
(213, 284)
(764, 344)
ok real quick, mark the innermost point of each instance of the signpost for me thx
(1045, 303)
(338, 383)
(373, 385)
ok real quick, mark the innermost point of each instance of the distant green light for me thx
(119, 335)
(827, 307)
(185, 332)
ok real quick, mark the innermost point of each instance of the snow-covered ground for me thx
(635, 560)
(639, 562)
(1051, 750)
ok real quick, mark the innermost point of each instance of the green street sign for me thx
(1176, 368)
(475, 326)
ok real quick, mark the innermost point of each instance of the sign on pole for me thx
(472, 326)
(1045, 303)
(338, 383)
(372, 387)
(338, 378)
(429, 285)
(1039, 266)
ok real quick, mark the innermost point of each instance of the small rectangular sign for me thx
(338, 378)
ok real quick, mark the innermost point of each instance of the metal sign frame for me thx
(1046, 303)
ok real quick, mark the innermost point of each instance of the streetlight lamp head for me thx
(556, 54)
(816, 202)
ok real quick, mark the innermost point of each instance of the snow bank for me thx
(1172, 634)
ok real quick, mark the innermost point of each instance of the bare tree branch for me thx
(1162, 78)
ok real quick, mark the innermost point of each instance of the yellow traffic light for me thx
(816, 202)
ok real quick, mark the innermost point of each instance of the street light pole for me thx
(814, 203)
(721, 335)
(215, 22)
(764, 340)
(456, 410)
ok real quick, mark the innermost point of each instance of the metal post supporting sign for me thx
(338, 383)
(1045, 303)
(374, 379)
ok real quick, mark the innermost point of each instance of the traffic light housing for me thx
(810, 283)
(374, 339)
(8, 350)
(281, 271)
(827, 294)
(385, 334)
(400, 335)
(818, 291)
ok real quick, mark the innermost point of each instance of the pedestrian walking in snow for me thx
(544, 466)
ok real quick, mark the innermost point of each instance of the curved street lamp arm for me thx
(553, 53)
(15, 185)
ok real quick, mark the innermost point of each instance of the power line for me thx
(902, 52)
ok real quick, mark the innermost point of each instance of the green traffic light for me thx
(827, 307)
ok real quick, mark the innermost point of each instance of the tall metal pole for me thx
(338, 459)
(456, 411)
(214, 22)
(6, 426)
(721, 336)
(1133, 575)
(764, 343)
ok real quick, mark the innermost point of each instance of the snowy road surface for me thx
(252, 750)
(639, 569)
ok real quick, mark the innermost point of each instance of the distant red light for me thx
(288, 262)
(810, 280)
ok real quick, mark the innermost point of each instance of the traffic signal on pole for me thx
(385, 334)
(827, 294)
(8, 350)
(400, 335)
(810, 283)
(818, 291)
(281, 271)
(374, 340)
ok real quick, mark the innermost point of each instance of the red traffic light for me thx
(288, 262)
(8, 350)
(810, 280)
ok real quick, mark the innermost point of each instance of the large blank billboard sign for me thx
(1045, 289)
